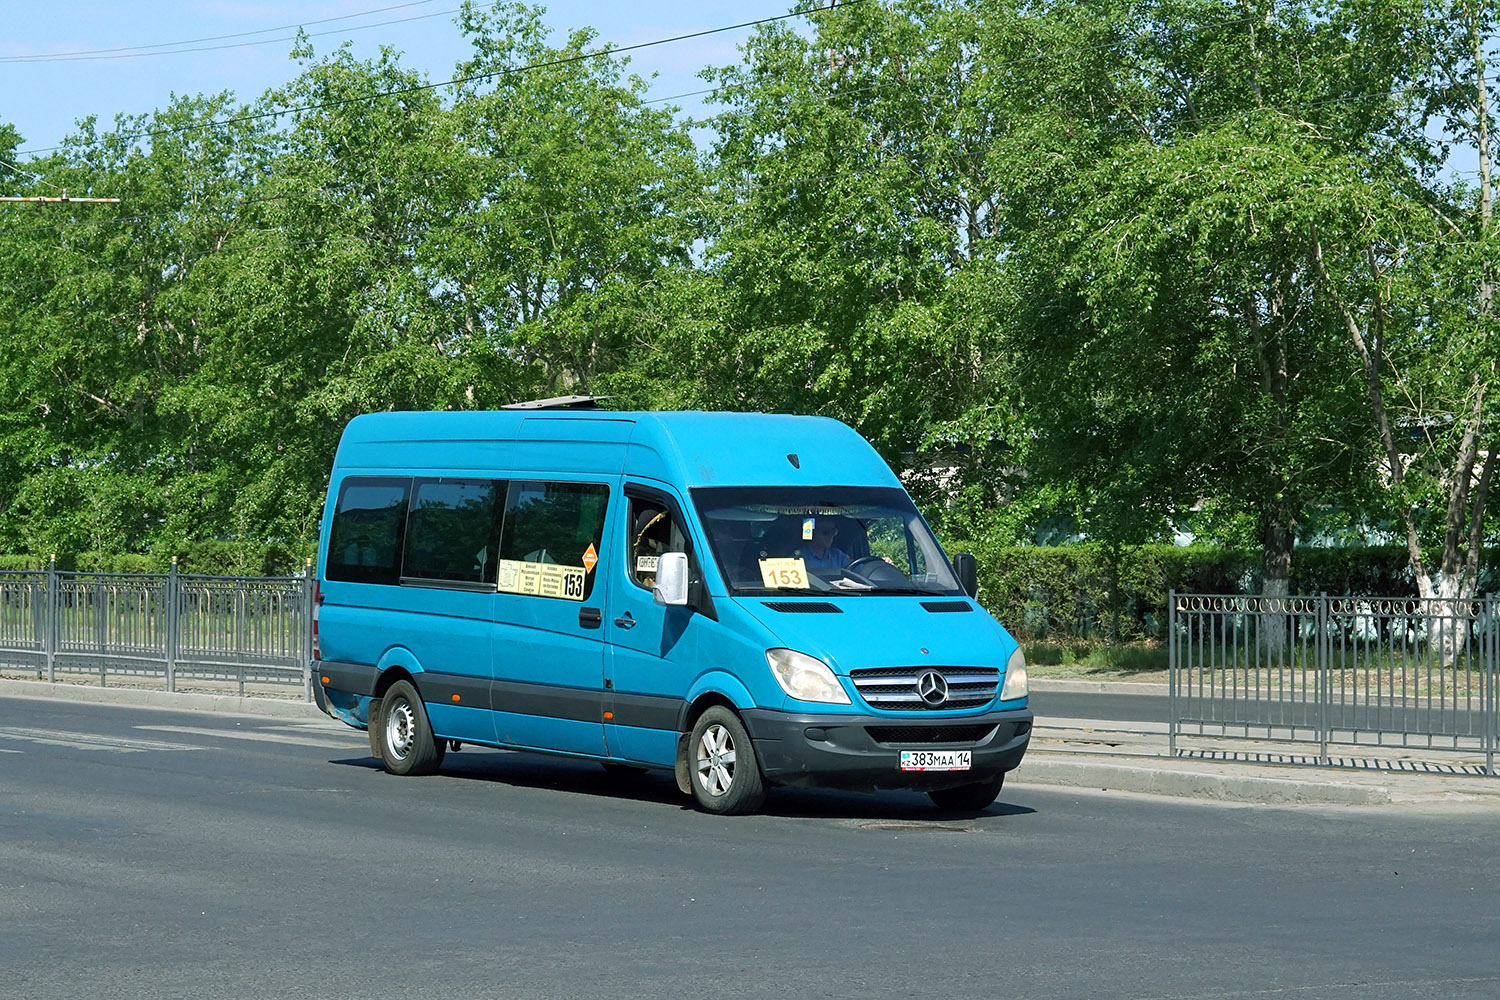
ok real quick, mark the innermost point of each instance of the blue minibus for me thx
(745, 599)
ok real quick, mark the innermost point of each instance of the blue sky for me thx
(46, 85)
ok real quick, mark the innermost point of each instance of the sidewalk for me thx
(1136, 757)
(1081, 753)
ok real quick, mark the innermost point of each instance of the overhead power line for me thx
(125, 51)
(105, 54)
(602, 52)
(64, 197)
(234, 248)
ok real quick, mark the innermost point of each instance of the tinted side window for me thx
(550, 541)
(364, 545)
(451, 532)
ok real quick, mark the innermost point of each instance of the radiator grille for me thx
(895, 688)
(904, 735)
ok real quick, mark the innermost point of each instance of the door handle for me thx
(590, 617)
(625, 620)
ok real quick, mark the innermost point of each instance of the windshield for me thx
(822, 540)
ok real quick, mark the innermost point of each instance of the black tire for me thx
(722, 767)
(405, 737)
(969, 798)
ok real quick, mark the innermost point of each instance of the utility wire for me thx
(605, 51)
(698, 123)
(239, 45)
(311, 191)
(212, 38)
(1122, 128)
(234, 248)
(842, 92)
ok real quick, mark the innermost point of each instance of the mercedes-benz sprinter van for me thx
(746, 599)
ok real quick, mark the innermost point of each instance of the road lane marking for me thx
(329, 743)
(88, 741)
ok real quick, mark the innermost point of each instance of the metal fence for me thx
(1417, 674)
(227, 631)
(1409, 673)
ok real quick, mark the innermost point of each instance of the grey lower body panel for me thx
(864, 751)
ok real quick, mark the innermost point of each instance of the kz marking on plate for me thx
(935, 760)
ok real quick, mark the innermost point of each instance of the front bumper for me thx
(864, 751)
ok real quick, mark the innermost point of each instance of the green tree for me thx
(1420, 315)
(1182, 347)
(855, 201)
(316, 307)
(568, 207)
(103, 316)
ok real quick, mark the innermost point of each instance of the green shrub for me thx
(1099, 593)
(213, 558)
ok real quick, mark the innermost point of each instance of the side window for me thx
(451, 532)
(653, 529)
(891, 539)
(551, 537)
(364, 545)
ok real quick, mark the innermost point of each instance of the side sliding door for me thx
(548, 652)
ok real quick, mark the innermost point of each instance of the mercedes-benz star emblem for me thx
(932, 688)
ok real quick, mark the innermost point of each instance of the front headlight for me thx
(1015, 677)
(804, 677)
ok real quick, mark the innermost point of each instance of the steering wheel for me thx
(875, 571)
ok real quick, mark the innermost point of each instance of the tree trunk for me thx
(1448, 613)
(1279, 534)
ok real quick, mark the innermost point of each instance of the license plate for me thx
(935, 760)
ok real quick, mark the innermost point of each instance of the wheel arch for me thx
(397, 664)
(714, 688)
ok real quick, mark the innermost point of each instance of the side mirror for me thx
(967, 568)
(671, 580)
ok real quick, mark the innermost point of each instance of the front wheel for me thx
(968, 798)
(725, 775)
(406, 742)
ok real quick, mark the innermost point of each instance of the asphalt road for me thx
(155, 854)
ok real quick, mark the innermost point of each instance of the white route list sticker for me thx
(541, 579)
(783, 574)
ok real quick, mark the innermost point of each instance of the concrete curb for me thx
(1097, 687)
(1178, 782)
(180, 701)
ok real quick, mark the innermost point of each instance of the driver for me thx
(820, 552)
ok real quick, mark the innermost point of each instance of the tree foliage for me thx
(1105, 270)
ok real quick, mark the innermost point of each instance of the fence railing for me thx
(1412, 673)
(231, 631)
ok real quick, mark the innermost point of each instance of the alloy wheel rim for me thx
(716, 760)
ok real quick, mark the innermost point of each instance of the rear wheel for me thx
(724, 772)
(969, 798)
(406, 742)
